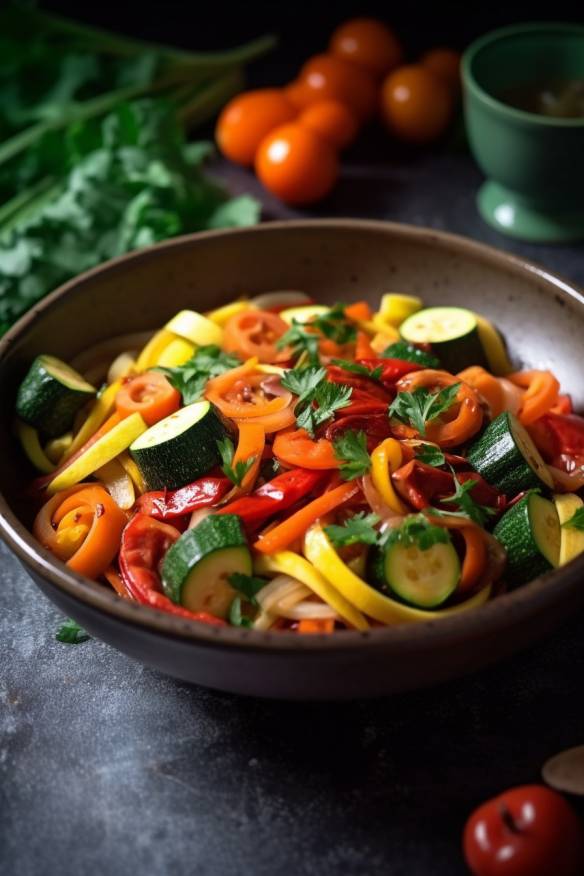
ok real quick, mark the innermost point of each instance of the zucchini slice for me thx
(180, 448)
(196, 328)
(196, 569)
(423, 578)
(507, 458)
(571, 539)
(394, 308)
(51, 394)
(494, 347)
(530, 533)
(453, 333)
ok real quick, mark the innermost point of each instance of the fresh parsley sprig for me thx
(191, 378)
(301, 341)
(358, 529)
(351, 449)
(410, 353)
(355, 368)
(235, 473)
(335, 326)
(576, 521)
(467, 507)
(430, 455)
(70, 633)
(418, 531)
(317, 398)
(421, 406)
(247, 587)
(303, 381)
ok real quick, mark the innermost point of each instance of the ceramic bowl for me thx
(542, 317)
(533, 163)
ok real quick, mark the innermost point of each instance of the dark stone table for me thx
(110, 768)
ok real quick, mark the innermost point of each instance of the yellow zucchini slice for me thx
(29, 439)
(196, 328)
(176, 353)
(394, 308)
(571, 539)
(222, 315)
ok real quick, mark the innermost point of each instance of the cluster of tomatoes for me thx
(293, 135)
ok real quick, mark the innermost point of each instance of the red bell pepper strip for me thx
(145, 542)
(336, 374)
(422, 485)
(559, 435)
(169, 504)
(391, 369)
(363, 404)
(277, 495)
(376, 427)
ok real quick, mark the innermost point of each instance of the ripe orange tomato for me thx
(296, 165)
(247, 118)
(416, 105)
(332, 120)
(369, 43)
(444, 63)
(326, 77)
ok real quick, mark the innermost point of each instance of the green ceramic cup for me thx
(534, 164)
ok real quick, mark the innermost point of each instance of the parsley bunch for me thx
(317, 398)
(358, 529)
(362, 370)
(351, 449)
(302, 343)
(421, 406)
(191, 378)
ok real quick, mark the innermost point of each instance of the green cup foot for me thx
(501, 209)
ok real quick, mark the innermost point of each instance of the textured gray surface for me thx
(106, 767)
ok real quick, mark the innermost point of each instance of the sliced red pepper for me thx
(363, 404)
(422, 485)
(557, 435)
(375, 426)
(391, 369)
(277, 495)
(145, 542)
(336, 374)
(169, 504)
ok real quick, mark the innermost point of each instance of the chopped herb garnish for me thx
(355, 368)
(236, 616)
(416, 530)
(247, 586)
(191, 378)
(302, 342)
(359, 529)
(235, 474)
(430, 455)
(321, 404)
(334, 325)
(71, 633)
(410, 353)
(420, 406)
(576, 521)
(351, 448)
(467, 507)
(302, 382)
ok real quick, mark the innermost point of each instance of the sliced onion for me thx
(281, 589)
(309, 610)
(122, 366)
(288, 298)
(199, 515)
(272, 385)
(512, 395)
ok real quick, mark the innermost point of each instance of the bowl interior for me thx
(331, 260)
(530, 55)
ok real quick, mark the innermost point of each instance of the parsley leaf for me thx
(191, 378)
(467, 507)
(417, 530)
(355, 368)
(328, 398)
(301, 341)
(227, 451)
(334, 325)
(358, 529)
(420, 406)
(430, 454)
(71, 633)
(351, 448)
(247, 586)
(576, 521)
(410, 353)
(302, 382)
(236, 616)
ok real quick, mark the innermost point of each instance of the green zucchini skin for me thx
(454, 353)
(46, 401)
(217, 536)
(498, 458)
(183, 458)
(515, 532)
(381, 564)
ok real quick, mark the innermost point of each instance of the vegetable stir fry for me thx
(281, 464)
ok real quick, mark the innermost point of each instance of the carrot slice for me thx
(363, 348)
(149, 394)
(316, 625)
(358, 312)
(252, 440)
(282, 535)
(298, 449)
(541, 393)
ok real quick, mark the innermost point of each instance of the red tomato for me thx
(150, 395)
(444, 63)
(247, 119)
(326, 77)
(527, 831)
(369, 43)
(332, 120)
(297, 165)
(416, 104)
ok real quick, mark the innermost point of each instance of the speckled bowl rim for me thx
(472, 84)
(493, 616)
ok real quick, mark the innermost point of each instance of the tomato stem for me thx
(508, 819)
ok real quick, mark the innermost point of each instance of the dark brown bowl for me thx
(543, 319)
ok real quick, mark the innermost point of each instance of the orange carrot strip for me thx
(358, 312)
(363, 349)
(316, 625)
(252, 440)
(541, 393)
(285, 533)
(118, 585)
(487, 385)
